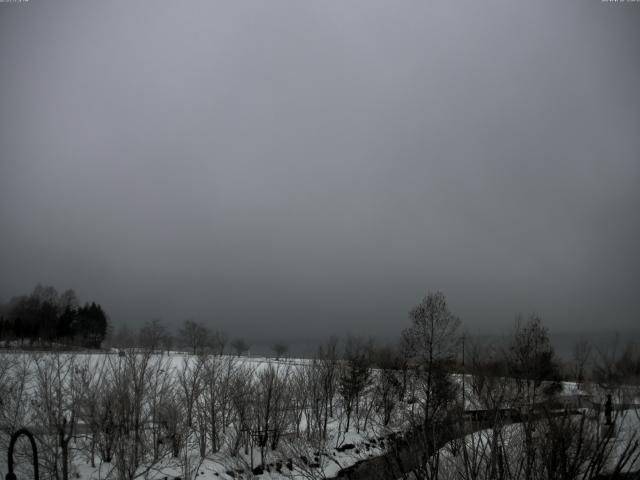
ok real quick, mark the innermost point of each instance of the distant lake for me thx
(563, 343)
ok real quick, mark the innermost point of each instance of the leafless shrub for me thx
(56, 407)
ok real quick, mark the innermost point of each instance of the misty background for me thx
(291, 169)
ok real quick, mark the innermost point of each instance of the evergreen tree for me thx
(46, 317)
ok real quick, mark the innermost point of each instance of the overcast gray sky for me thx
(290, 168)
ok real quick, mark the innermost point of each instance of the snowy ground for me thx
(296, 459)
(292, 460)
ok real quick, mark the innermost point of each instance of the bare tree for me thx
(190, 387)
(240, 346)
(432, 342)
(280, 349)
(310, 397)
(56, 408)
(218, 379)
(16, 375)
(152, 335)
(133, 380)
(388, 381)
(355, 378)
(491, 394)
(299, 389)
(272, 406)
(581, 356)
(242, 399)
(160, 385)
(194, 336)
(123, 337)
(92, 378)
(531, 363)
(217, 343)
(329, 371)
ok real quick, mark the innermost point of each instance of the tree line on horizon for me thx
(48, 318)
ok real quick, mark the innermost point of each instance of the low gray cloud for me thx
(297, 168)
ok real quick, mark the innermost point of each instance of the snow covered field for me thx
(187, 401)
(156, 416)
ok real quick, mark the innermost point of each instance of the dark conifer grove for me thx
(48, 318)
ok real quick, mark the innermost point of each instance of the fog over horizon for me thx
(290, 169)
